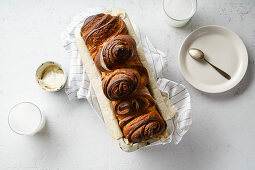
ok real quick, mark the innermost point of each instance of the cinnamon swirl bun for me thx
(124, 78)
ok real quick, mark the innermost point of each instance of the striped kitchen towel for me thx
(78, 85)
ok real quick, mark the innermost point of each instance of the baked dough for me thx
(166, 108)
(95, 79)
(166, 112)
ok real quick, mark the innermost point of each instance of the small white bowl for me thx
(40, 71)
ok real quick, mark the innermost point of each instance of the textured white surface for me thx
(221, 137)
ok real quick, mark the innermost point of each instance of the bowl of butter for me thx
(50, 76)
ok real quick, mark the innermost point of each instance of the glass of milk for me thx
(179, 12)
(26, 119)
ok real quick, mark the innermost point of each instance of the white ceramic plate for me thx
(223, 48)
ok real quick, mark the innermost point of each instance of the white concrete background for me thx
(222, 135)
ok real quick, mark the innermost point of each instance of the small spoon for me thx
(199, 55)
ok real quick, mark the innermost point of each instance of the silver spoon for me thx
(199, 55)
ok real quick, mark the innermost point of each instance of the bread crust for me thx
(166, 109)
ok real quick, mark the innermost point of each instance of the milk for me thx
(179, 11)
(26, 119)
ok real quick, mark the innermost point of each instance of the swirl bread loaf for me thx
(135, 112)
(124, 79)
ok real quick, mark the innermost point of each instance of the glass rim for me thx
(34, 131)
(190, 16)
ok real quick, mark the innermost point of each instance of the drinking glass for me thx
(179, 12)
(26, 118)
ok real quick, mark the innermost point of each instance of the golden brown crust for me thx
(124, 78)
(135, 104)
(116, 53)
(121, 83)
(144, 77)
(98, 29)
(138, 116)
(146, 126)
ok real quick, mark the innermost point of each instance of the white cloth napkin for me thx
(78, 85)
